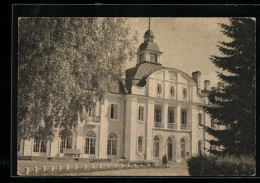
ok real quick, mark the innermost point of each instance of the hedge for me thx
(221, 166)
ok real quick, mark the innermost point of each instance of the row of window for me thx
(153, 58)
(90, 143)
(172, 91)
(156, 146)
(158, 115)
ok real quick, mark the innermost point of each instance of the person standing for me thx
(164, 160)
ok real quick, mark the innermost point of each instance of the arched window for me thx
(90, 143)
(172, 91)
(112, 144)
(184, 93)
(156, 146)
(153, 58)
(182, 148)
(169, 139)
(140, 144)
(159, 89)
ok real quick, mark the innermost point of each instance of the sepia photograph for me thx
(136, 96)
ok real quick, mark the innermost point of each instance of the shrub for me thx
(221, 166)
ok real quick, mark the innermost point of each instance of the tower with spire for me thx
(148, 51)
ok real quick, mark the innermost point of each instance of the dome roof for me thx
(149, 46)
(136, 76)
(149, 33)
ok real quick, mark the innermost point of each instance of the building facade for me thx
(156, 111)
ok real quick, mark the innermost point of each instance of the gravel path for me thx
(176, 169)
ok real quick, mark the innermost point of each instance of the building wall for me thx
(128, 127)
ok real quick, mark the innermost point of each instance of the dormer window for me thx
(141, 58)
(153, 58)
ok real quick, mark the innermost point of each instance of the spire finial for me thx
(149, 23)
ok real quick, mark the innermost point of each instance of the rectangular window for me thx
(141, 113)
(62, 145)
(199, 119)
(43, 146)
(114, 111)
(39, 146)
(157, 113)
(66, 143)
(170, 115)
(36, 146)
(184, 117)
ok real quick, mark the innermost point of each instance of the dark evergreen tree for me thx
(233, 104)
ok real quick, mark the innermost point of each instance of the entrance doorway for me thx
(169, 148)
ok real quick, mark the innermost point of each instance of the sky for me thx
(186, 43)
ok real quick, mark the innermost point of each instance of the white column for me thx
(103, 130)
(55, 145)
(194, 129)
(165, 115)
(48, 148)
(178, 116)
(133, 121)
(80, 139)
(149, 126)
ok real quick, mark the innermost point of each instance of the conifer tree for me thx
(233, 104)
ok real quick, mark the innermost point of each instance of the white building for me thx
(156, 111)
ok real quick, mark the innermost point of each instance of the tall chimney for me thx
(196, 76)
(207, 85)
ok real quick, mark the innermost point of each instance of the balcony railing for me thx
(185, 127)
(158, 124)
(172, 125)
(93, 119)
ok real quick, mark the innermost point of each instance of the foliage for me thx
(221, 166)
(233, 104)
(64, 65)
